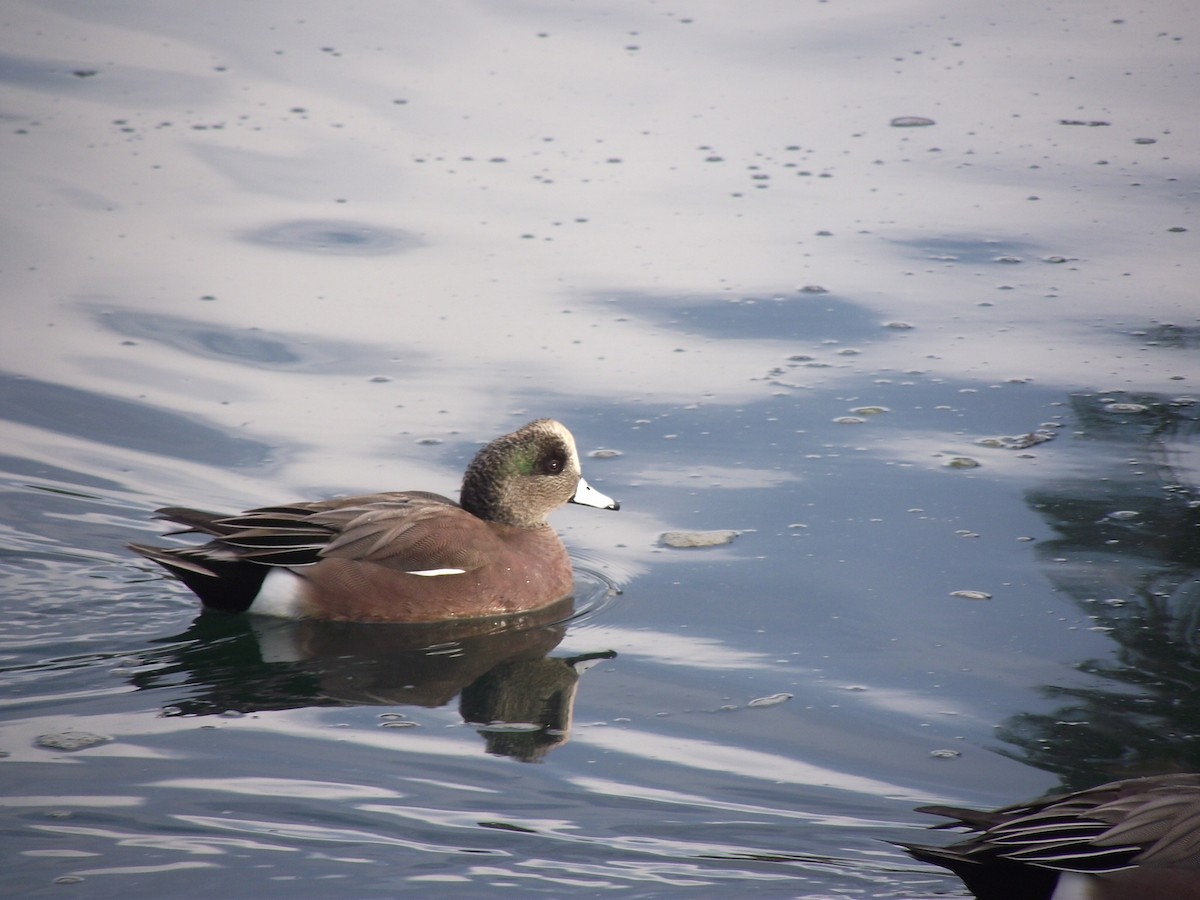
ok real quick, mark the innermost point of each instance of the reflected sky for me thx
(144, 147)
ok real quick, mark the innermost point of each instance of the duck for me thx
(1135, 839)
(402, 556)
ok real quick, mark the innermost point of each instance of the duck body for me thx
(1137, 839)
(408, 556)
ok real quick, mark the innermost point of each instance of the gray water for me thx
(940, 379)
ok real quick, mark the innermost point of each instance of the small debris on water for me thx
(971, 595)
(70, 741)
(692, 539)
(945, 754)
(772, 700)
(962, 462)
(1018, 441)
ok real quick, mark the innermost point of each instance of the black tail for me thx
(225, 585)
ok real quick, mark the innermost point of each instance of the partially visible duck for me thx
(408, 556)
(1137, 839)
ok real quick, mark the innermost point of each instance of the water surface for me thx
(940, 380)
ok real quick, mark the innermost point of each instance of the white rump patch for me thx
(427, 573)
(281, 595)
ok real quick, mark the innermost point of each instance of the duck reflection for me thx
(1129, 556)
(519, 697)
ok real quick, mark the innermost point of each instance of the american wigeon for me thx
(1137, 839)
(409, 556)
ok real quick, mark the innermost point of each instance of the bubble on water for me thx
(870, 410)
(911, 122)
(1127, 407)
(605, 454)
(849, 420)
(1124, 514)
(945, 754)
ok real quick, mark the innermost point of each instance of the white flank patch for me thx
(277, 641)
(433, 572)
(281, 595)
(1077, 886)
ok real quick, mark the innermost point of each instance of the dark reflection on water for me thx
(208, 339)
(1129, 557)
(792, 315)
(519, 696)
(121, 423)
(1173, 337)
(332, 236)
(976, 250)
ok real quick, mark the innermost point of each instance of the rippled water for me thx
(938, 381)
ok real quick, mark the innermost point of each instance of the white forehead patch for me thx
(560, 431)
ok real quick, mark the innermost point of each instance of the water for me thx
(263, 253)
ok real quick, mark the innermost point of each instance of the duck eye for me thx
(552, 465)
